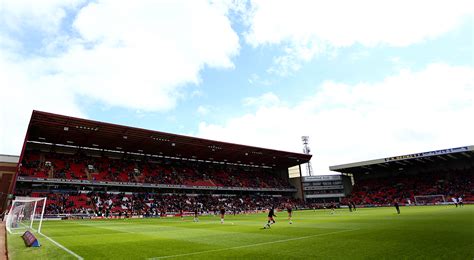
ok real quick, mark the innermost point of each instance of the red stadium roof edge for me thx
(66, 130)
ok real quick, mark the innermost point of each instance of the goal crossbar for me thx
(429, 199)
(23, 213)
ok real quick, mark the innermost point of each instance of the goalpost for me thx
(430, 199)
(26, 213)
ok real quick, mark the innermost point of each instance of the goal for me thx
(430, 199)
(26, 213)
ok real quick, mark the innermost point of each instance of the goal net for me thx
(430, 199)
(26, 213)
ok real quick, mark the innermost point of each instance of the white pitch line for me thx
(62, 247)
(252, 245)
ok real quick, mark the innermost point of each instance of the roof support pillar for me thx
(301, 184)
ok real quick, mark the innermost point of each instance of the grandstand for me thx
(90, 168)
(421, 178)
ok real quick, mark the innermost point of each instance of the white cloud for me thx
(285, 65)
(265, 100)
(408, 112)
(45, 16)
(24, 89)
(255, 79)
(203, 110)
(142, 54)
(121, 53)
(307, 28)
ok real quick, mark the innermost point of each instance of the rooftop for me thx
(71, 131)
(5, 158)
(408, 160)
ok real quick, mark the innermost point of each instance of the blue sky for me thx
(364, 80)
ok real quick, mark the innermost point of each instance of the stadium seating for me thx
(63, 166)
(148, 204)
(383, 191)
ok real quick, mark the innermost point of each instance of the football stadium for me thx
(84, 189)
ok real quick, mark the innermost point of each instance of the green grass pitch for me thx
(437, 232)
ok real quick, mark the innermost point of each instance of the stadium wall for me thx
(296, 182)
(8, 166)
(347, 182)
(282, 173)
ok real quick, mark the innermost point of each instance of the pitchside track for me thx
(439, 232)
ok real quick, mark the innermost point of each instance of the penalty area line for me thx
(252, 245)
(62, 247)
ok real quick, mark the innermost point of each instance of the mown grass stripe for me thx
(62, 247)
(252, 245)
